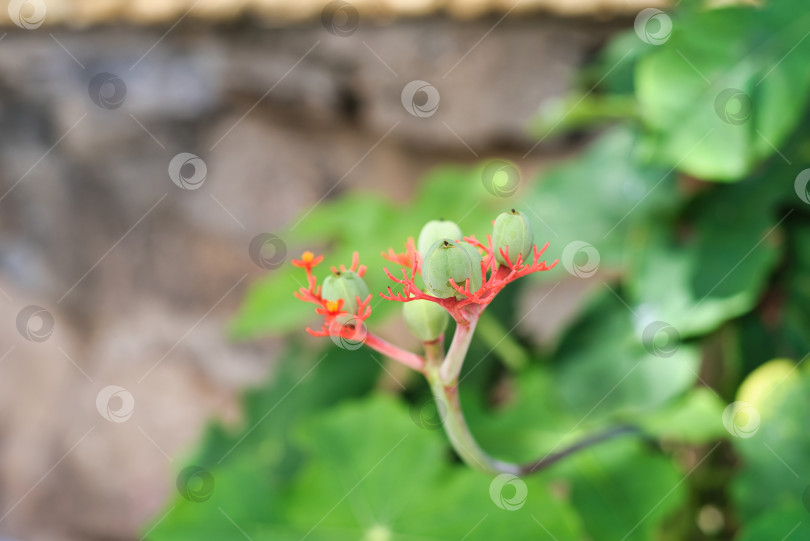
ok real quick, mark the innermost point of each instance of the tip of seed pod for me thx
(445, 243)
(514, 211)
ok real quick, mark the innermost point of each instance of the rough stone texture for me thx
(140, 276)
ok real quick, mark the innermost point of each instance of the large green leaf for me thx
(374, 474)
(250, 465)
(727, 88)
(700, 276)
(607, 368)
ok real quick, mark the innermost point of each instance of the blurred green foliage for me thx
(688, 194)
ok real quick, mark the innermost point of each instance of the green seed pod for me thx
(448, 259)
(436, 230)
(425, 319)
(512, 231)
(475, 258)
(346, 285)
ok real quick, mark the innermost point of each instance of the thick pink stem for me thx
(411, 360)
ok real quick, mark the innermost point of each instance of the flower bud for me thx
(448, 259)
(425, 319)
(346, 285)
(512, 232)
(436, 230)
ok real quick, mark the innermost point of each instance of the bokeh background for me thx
(161, 162)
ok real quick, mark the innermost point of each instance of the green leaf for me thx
(694, 418)
(774, 442)
(598, 198)
(252, 464)
(605, 369)
(719, 106)
(626, 492)
(375, 475)
(717, 270)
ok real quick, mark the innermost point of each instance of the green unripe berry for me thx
(425, 319)
(436, 230)
(512, 231)
(476, 259)
(346, 285)
(448, 259)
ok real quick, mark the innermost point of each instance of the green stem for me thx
(451, 365)
(463, 442)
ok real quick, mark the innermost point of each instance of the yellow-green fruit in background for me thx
(512, 231)
(425, 319)
(436, 230)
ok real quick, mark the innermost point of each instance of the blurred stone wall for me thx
(133, 271)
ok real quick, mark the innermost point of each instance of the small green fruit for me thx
(448, 259)
(436, 230)
(425, 319)
(475, 259)
(512, 231)
(346, 285)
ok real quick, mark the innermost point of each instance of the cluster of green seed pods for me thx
(445, 257)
